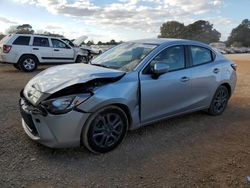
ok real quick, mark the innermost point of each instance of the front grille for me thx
(27, 117)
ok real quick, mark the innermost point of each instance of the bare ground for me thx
(194, 150)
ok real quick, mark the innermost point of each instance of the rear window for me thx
(200, 55)
(22, 40)
(41, 41)
(4, 39)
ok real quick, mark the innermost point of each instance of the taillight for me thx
(6, 48)
(234, 66)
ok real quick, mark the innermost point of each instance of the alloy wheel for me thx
(220, 100)
(29, 64)
(107, 130)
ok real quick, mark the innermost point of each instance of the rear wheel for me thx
(105, 129)
(219, 102)
(16, 65)
(28, 63)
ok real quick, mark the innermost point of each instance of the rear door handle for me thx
(35, 48)
(216, 70)
(185, 79)
(57, 50)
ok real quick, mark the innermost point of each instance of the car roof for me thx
(160, 41)
(35, 35)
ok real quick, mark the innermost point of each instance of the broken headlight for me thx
(65, 104)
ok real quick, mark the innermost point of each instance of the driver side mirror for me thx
(159, 68)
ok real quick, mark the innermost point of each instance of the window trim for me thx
(70, 42)
(67, 46)
(212, 54)
(40, 46)
(186, 59)
(13, 43)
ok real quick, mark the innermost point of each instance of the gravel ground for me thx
(194, 150)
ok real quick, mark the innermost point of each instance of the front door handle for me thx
(185, 79)
(35, 48)
(216, 70)
(57, 50)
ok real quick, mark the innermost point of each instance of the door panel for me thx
(167, 95)
(62, 52)
(42, 49)
(205, 74)
(170, 92)
(204, 83)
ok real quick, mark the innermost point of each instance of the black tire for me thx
(81, 59)
(105, 129)
(16, 65)
(219, 101)
(28, 63)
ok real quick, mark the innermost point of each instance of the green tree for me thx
(99, 43)
(90, 42)
(46, 33)
(240, 36)
(20, 29)
(25, 29)
(112, 42)
(200, 30)
(172, 29)
(203, 31)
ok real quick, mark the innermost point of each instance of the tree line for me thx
(203, 31)
(200, 30)
(111, 42)
(27, 29)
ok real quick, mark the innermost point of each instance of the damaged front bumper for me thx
(55, 131)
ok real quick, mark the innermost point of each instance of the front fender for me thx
(124, 92)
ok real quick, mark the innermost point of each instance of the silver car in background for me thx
(129, 86)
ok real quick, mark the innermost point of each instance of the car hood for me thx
(59, 77)
(80, 40)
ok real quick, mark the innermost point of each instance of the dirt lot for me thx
(194, 150)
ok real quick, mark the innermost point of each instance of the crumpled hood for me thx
(56, 78)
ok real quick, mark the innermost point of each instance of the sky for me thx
(119, 19)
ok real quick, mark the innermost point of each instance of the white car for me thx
(77, 43)
(27, 51)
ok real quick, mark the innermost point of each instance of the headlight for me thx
(65, 104)
(31, 93)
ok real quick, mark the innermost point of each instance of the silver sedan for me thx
(131, 85)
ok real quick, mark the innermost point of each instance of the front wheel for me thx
(219, 101)
(81, 59)
(105, 129)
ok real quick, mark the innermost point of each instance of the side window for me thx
(68, 42)
(41, 41)
(200, 55)
(58, 44)
(173, 56)
(22, 40)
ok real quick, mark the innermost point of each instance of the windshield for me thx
(124, 57)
